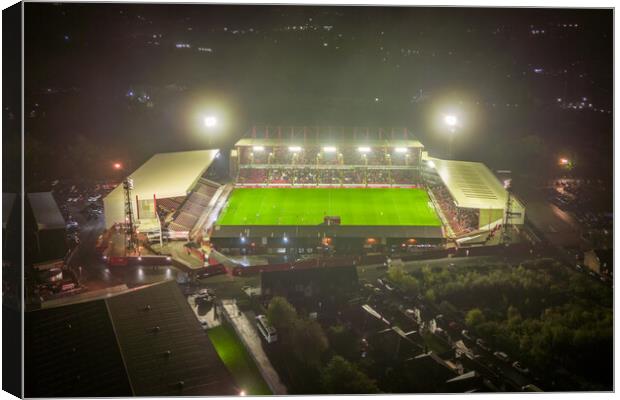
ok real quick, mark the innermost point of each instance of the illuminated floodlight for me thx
(450, 120)
(364, 149)
(294, 149)
(117, 165)
(258, 148)
(242, 239)
(210, 121)
(285, 239)
(329, 149)
(401, 150)
(242, 393)
(564, 161)
(430, 163)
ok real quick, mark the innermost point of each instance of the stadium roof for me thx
(170, 174)
(45, 211)
(311, 140)
(117, 346)
(471, 184)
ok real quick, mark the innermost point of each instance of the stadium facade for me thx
(374, 172)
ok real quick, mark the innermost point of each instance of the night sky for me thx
(111, 82)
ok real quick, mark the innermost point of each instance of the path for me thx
(246, 332)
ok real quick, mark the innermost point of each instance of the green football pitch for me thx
(309, 206)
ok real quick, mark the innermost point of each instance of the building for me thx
(142, 342)
(171, 186)
(317, 283)
(44, 232)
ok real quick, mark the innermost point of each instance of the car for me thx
(500, 355)
(205, 292)
(579, 267)
(465, 333)
(483, 345)
(517, 365)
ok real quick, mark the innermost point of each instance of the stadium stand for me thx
(194, 205)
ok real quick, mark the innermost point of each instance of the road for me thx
(94, 273)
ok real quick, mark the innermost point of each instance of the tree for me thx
(474, 317)
(282, 315)
(342, 377)
(343, 341)
(309, 342)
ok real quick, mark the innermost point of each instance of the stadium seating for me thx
(194, 205)
(461, 220)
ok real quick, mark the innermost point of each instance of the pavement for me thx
(253, 343)
(178, 251)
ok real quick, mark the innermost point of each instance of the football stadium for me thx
(305, 190)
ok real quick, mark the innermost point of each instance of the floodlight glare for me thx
(210, 121)
(450, 120)
(258, 148)
(364, 149)
(401, 150)
(329, 149)
(430, 163)
(294, 149)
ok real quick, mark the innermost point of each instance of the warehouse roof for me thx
(45, 211)
(71, 351)
(143, 342)
(471, 184)
(149, 323)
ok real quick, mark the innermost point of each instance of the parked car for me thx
(483, 345)
(501, 356)
(517, 365)
(465, 333)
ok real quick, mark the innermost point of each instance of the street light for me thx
(117, 166)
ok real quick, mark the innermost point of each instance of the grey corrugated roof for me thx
(107, 347)
(192, 359)
(45, 211)
(72, 351)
